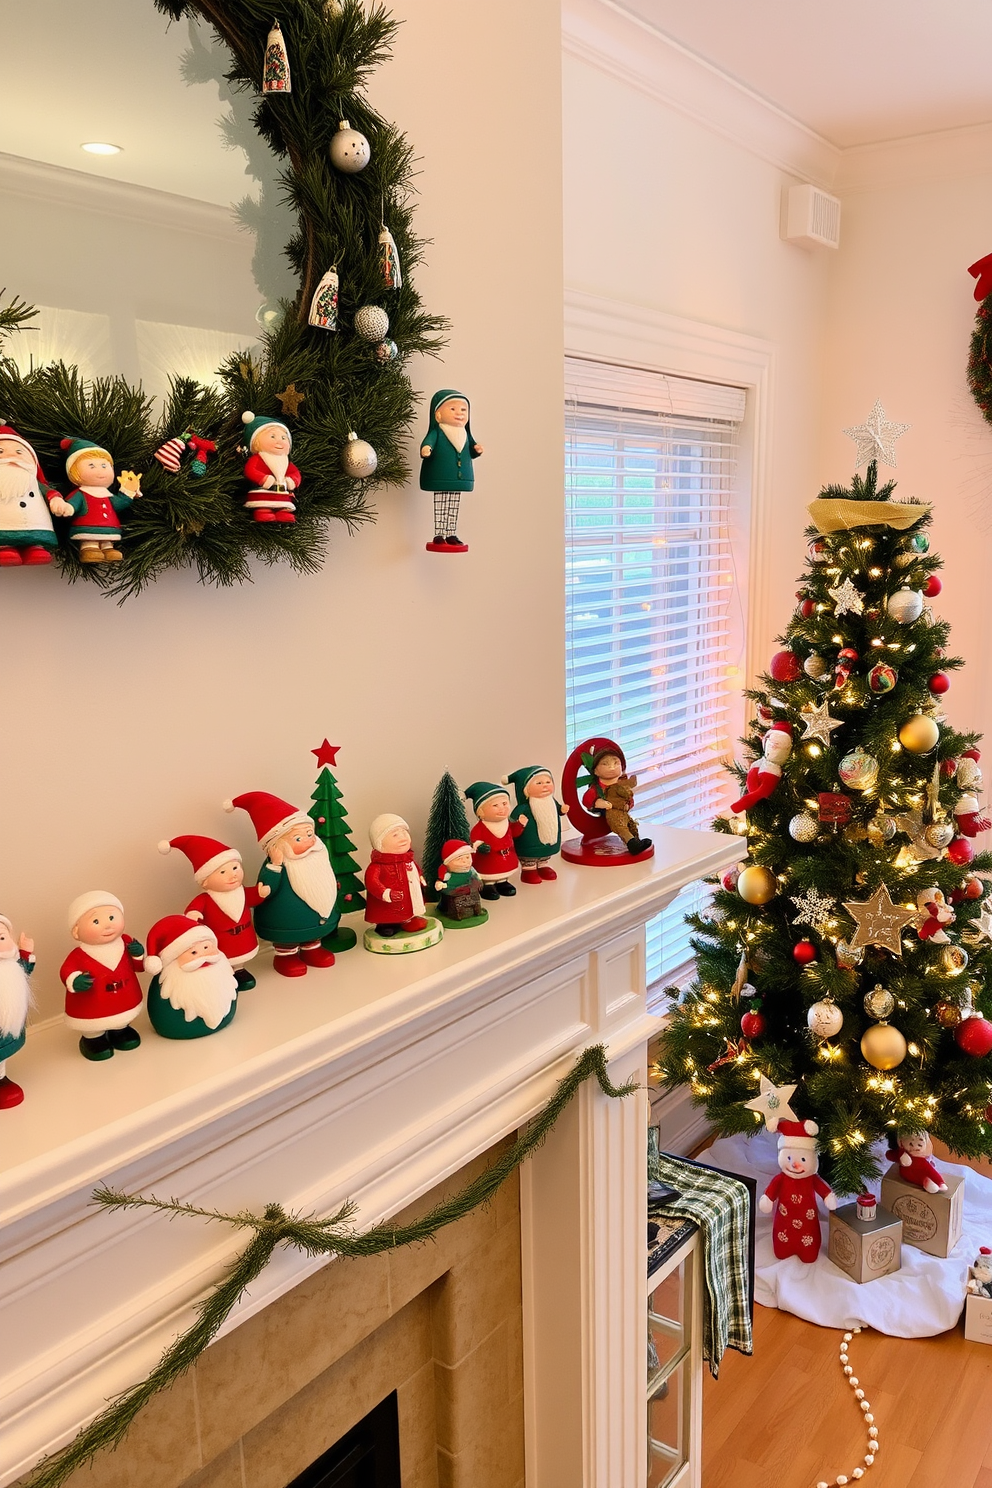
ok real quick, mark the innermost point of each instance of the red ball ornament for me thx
(784, 667)
(804, 952)
(730, 877)
(753, 1025)
(974, 1036)
(948, 767)
(974, 888)
(807, 609)
(932, 587)
(939, 683)
(960, 851)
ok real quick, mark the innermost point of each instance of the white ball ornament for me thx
(358, 458)
(817, 667)
(372, 323)
(905, 606)
(350, 151)
(803, 827)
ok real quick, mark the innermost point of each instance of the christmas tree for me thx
(447, 821)
(849, 957)
(331, 821)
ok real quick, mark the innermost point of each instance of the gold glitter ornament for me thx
(948, 1014)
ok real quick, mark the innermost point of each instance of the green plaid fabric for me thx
(720, 1206)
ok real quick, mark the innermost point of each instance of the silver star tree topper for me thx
(876, 438)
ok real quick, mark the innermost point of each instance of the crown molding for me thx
(37, 181)
(607, 35)
(935, 156)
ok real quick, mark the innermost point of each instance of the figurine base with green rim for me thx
(402, 943)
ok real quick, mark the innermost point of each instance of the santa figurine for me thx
(193, 991)
(16, 965)
(225, 906)
(394, 884)
(95, 524)
(792, 1193)
(540, 815)
(913, 1153)
(273, 477)
(458, 883)
(935, 913)
(493, 839)
(26, 532)
(765, 774)
(298, 911)
(980, 1274)
(446, 467)
(102, 991)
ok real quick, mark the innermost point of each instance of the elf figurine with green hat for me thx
(446, 457)
(493, 839)
(95, 523)
(272, 476)
(540, 815)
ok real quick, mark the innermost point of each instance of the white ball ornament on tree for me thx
(825, 1018)
(358, 458)
(372, 323)
(350, 150)
(905, 606)
(858, 770)
(816, 667)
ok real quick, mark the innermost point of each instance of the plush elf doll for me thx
(792, 1193)
(765, 774)
(913, 1152)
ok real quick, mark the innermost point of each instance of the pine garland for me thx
(980, 358)
(184, 521)
(331, 1236)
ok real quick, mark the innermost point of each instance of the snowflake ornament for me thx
(815, 909)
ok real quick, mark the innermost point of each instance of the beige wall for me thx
(127, 725)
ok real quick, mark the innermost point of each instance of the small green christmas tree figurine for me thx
(447, 821)
(331, 821)
(845, 969)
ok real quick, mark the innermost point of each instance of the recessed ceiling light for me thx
(95, 147)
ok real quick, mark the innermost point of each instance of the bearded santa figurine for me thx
(765, 774)
(271, 474)
(102, 991)
(913, 1153)
(793, 1192)
(26, 532)
(493, 839)
(193, 991)
(394, 884)
(16, 965)
(540, 816)
(225, 906)
(298, 910)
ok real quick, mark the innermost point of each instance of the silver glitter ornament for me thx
(879, 1002)
(803, 827)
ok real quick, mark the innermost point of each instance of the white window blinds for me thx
(653, 630)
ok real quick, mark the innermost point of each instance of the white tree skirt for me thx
(925, 1297)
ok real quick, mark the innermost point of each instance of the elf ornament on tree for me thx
(95, 524)
(16, 966)
(102, 991)
(446, 466)
(272, 476)
(225, 905)
(193, 991)
(331, 820)
(865, 861)
(26, 532)
(793, 1192)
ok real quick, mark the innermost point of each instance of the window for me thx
(654, 633)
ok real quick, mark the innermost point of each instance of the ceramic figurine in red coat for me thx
(225, 905)
(272, 476)
(16, 966)
(793, 1192)
(102, 991)
(913, 1154)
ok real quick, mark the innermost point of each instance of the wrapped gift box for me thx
(931, 1222)
(865, 1248)
(978, 1319)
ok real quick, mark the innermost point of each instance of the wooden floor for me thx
(786, 1418)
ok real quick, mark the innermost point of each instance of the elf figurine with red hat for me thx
(765, 774)
(792, 1193)
(458, 885)
(272, 476)
(95, 524)
(298, 912)
(26, 532)
(394, 889)
(102, 991)
(193, 991)
(225, 906)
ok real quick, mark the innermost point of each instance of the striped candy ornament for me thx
(171, 452)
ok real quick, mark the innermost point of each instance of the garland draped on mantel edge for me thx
(331, 1237)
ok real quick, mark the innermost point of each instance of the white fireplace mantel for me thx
(372, 1081)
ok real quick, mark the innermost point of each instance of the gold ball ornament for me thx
(948, 1014)
(358, 458)
(919, 734)
(953, 960)
(883, 1046)
(756, 885)
(817, 667)
(825, 1018)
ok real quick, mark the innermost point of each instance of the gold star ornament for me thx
(772, 1103)
(879, 921)
(818, 723)
(289, 400)
(876, 438)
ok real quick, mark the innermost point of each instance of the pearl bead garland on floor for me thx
(859, 1395)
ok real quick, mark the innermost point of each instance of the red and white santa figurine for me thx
(102, 991)
(793, 1192)
(394, 884)
(914, 1152)
(493, 839)
(271, 474)
(765, 774)
(193, 991)
(16, 965)
(26, 532)
(226, 905)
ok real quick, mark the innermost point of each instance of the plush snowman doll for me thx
(765, 774)
(792, 1193)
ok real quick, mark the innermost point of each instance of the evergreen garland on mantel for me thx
(186, 521)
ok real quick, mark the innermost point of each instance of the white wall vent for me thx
(812, 217)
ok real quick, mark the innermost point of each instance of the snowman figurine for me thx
(980, 1274)
(793, 1192)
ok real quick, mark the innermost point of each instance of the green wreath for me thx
(980, 358)
(195, 517)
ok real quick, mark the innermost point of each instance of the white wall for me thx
(124, 725)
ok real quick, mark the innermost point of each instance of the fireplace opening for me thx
(367, 1456)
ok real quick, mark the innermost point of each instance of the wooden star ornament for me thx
(879, 921)
(289, 400)
(772, 1103)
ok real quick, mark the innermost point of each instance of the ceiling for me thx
(855, 71)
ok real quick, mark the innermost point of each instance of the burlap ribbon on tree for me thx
(837, 514)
